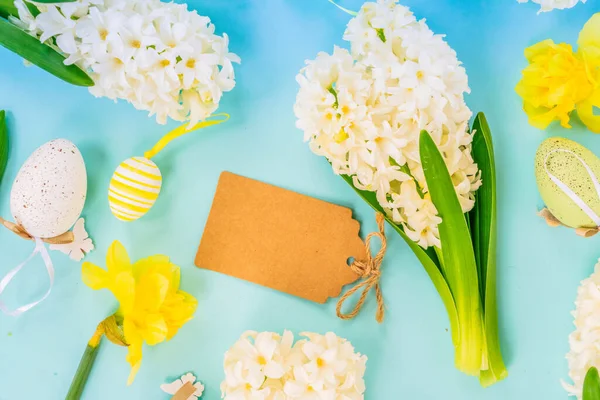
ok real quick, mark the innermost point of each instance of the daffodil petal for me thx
(589, 38)
(585, 110)
(178, 309)
(175, 278)
(155, 330)
(94, 276)
(153, 264)
(539, 48)
(152, 290)
(134, 370)
(117, 259)
(134, 350)
(539, 117)
(123, 289)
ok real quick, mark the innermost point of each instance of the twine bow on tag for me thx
(370, 272)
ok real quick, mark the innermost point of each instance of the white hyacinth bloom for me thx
(584, 351)
(549, 5)
(160, 57)
(320, 367)
(364, 110)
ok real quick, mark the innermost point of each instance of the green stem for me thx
(83, 371)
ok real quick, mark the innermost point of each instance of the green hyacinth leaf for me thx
(459, 262)
(591, 385)
(7, 8)
(3, 143)
(483, 231)
(28, 47)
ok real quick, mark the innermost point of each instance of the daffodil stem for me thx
(85, 367)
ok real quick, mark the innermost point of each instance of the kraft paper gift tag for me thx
(280, 239)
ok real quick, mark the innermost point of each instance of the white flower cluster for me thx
(549, 5)
(364, 111)
(268, 366)
(158, 56)
(583, 342)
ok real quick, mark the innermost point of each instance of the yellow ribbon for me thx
(182, 130)
(353, 13)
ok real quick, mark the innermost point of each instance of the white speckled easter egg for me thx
(134, 188)
(49, 191)
(558, 156)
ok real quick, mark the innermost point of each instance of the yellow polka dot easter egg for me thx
(134, 188)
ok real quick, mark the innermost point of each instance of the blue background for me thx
(410, 354)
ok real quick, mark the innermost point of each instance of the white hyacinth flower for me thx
(160, 57)
(549, 5)
(583, 341)
(320, 367)
(364, 110)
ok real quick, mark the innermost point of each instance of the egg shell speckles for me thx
(49, 192)
(572, 173)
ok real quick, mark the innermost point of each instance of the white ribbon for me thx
(567, 190)
(41, 249)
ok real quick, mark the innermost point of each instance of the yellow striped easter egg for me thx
(134, 188)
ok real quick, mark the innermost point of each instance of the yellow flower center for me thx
(136, 44)
(329, 116)
(309, 388)
(320, 362)
(117, 62)
(420, 75)
(165, 63)
(172, 45)
(248, 386)
(206, 96)
(345, 109)
(191, 63)
(261, 360)
(340, 136)
(103, 33)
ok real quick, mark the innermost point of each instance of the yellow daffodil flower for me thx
(151, 306)
(558, 80)
(555, 80)
(589, 40)
(589, 47)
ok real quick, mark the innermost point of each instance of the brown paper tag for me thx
(280, 239)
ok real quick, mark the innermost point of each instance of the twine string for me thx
(370, 272)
